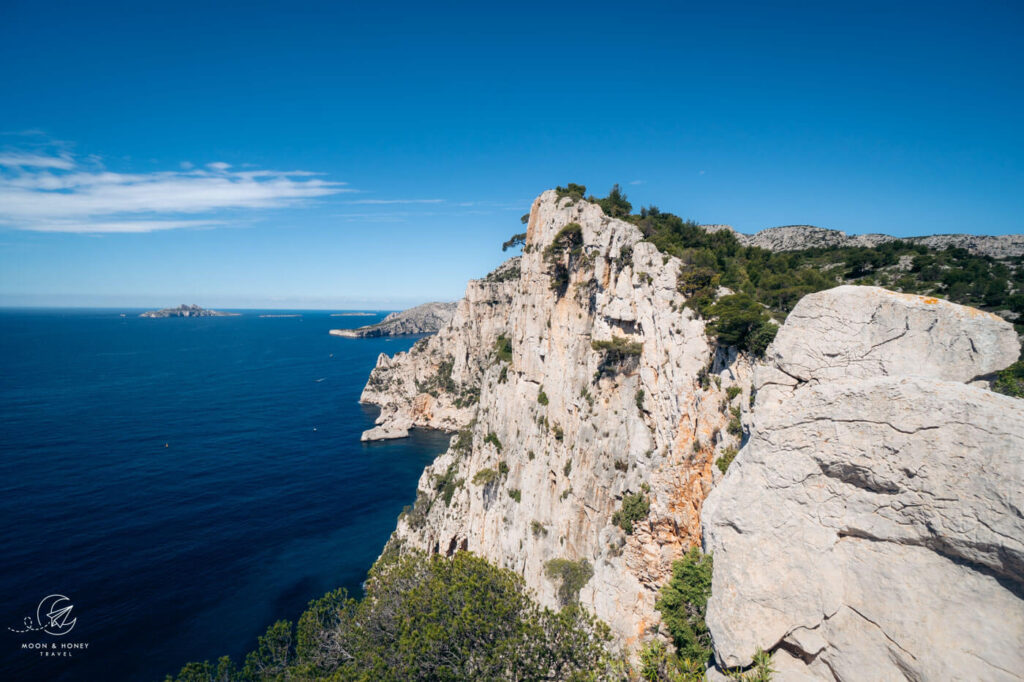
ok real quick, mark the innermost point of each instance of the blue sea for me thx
(184, 483)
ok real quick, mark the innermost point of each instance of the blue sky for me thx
(339, 155)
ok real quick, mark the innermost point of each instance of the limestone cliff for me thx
(575, 378)
(872, 527)
(557, 430)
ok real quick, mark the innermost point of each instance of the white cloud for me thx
(57, 194)
(16, 160)
(636, 182)
(396, 201)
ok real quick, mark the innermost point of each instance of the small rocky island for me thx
(423, 319)
(187, 311)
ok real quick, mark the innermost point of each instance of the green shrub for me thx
(741, 321)
(446, 484)
(726, 458)
(683, 604)
(515, 494)
(485, 477)
(562, 255)
(620, 465)
(634, 508)
(614, 205)
(567, 469)
(571, 577)
(538, 529)
(573, 191)
(735, 426)
(503, 348)
(426, 618)
(619, 354)
(1010, 381)
(732, 392)
(542, 397)
(492, 438)
(502, 468)
(639, 399)
(516, 239)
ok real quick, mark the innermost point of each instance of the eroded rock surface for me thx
(555, 432)
(873, 525)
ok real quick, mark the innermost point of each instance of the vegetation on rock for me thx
(426, 618)
(571, 577)
(635, 507)
(683, 604)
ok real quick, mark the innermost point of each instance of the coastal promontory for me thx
(423, 319)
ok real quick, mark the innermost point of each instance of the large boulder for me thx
(873, 525)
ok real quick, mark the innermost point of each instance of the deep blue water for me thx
(185, 482)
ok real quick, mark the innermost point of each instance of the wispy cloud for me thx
(54, 192)
(395, 201)
(17, 160)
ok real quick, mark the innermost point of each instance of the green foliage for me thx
(485, 477)
(562, 255)
(732, 391)
(573, 191)
(634, 507)
(542, 397)
(615, 204)
(503, 348)
(492, 438)
(726, 458)
(525, 218)
(741, 321)
(1010, 381)
(571, 577)
(516, 240)
(619, 355)
(463, 442)
(515, 494)
(657, 664)
(427, 618)
(683, 604)
(735, 426)
(446, 484)
(567, 469)
(639, 399)
(538, 529)
(502, 468)
(441, 381)
(620, 465)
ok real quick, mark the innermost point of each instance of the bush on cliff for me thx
(1010, 381)
(426, 618)
(683, 603)
(635, 507)
(571, 576)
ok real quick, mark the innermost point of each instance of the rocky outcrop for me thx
(873, 525)
(799, 237)
(423, 319)
(184, 310)
(575, 376)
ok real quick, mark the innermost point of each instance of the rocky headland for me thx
(798, 237)
(869, 526)
(187, 311)
(423, 319)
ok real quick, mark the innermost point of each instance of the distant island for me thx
(423, 319)
(187, 311)
(353, 314)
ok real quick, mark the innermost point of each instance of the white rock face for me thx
(571, 438)
(873, 526)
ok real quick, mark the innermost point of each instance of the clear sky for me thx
(305, 154)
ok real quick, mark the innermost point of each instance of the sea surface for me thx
(184, 482)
